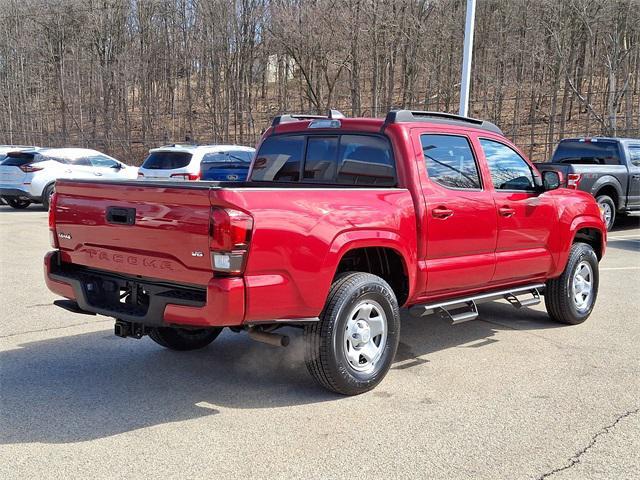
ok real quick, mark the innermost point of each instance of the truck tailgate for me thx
(149, 230)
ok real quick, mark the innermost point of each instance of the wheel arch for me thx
(378, 253)
(609, 186)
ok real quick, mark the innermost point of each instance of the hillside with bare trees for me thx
(126, 75)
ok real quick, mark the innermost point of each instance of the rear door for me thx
(526, 217)
(461, 215)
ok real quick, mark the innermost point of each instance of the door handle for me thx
(442, 212)
(635, 177)
(97, 174)
(506, 211)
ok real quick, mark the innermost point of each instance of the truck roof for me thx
(610, 139)
(294, 122)
(189, 148)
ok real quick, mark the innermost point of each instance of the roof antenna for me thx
(335, 114)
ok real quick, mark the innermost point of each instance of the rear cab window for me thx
(338, 159)
(166, 160)
(587, 152)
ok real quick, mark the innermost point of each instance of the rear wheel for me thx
(350, 350)
(608, 209)
(570, 297)
(46, 196)
(17, 203)
(182, 338)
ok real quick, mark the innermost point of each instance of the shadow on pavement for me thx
(95, 385)
(626, 222)
(622, 244)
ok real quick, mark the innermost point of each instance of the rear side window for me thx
(102, 161)
(166, 160)
(450, 162)
(279, 159)
(509, 171)
(634, 155)
(593, 152)
(327, 159)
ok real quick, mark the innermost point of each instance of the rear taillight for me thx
(28, 168)
(573, 180)
(53, 237)
(230, 237)
(186, 176)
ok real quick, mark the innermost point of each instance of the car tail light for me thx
(230, 237)
(573, 180)
(28, 168)
(53, 237)
(186, 176)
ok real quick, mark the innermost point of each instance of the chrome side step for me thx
(460, 310)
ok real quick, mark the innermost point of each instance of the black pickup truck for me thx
(607, 168)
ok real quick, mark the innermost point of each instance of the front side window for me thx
(634, 155)
(509, 171)
(450, 162)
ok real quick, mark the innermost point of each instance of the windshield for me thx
(166, 160)
(594, 152)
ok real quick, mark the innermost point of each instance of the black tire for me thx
(559, 296)
(46, 195)
(326, 341)
(610, 206)
(17, 203)
(183, 339)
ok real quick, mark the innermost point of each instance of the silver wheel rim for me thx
(365, 336)
(607, 212)
(582, 286)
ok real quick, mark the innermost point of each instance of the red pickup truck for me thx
(341, 222)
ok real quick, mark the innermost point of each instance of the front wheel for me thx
(183, 339)
(570, 297)
(17, 203)
(350, 350)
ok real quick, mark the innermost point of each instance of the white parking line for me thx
(619, 268)
(623, 236)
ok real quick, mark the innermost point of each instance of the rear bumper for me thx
(12, 192)
(147, 301)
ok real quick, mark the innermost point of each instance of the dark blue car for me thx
(228, 166)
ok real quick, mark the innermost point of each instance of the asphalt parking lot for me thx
(509, 396)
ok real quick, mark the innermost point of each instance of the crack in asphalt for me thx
(576, 457)
(52, 328)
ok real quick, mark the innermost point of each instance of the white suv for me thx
(180, 162)
(29, 176)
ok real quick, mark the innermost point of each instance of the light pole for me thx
(466, 60)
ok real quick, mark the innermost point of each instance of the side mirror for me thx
(551, 180)
(117, 166)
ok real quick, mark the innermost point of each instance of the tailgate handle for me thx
(121, 215)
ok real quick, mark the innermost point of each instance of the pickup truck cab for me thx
(608, 168)
(341, 223)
